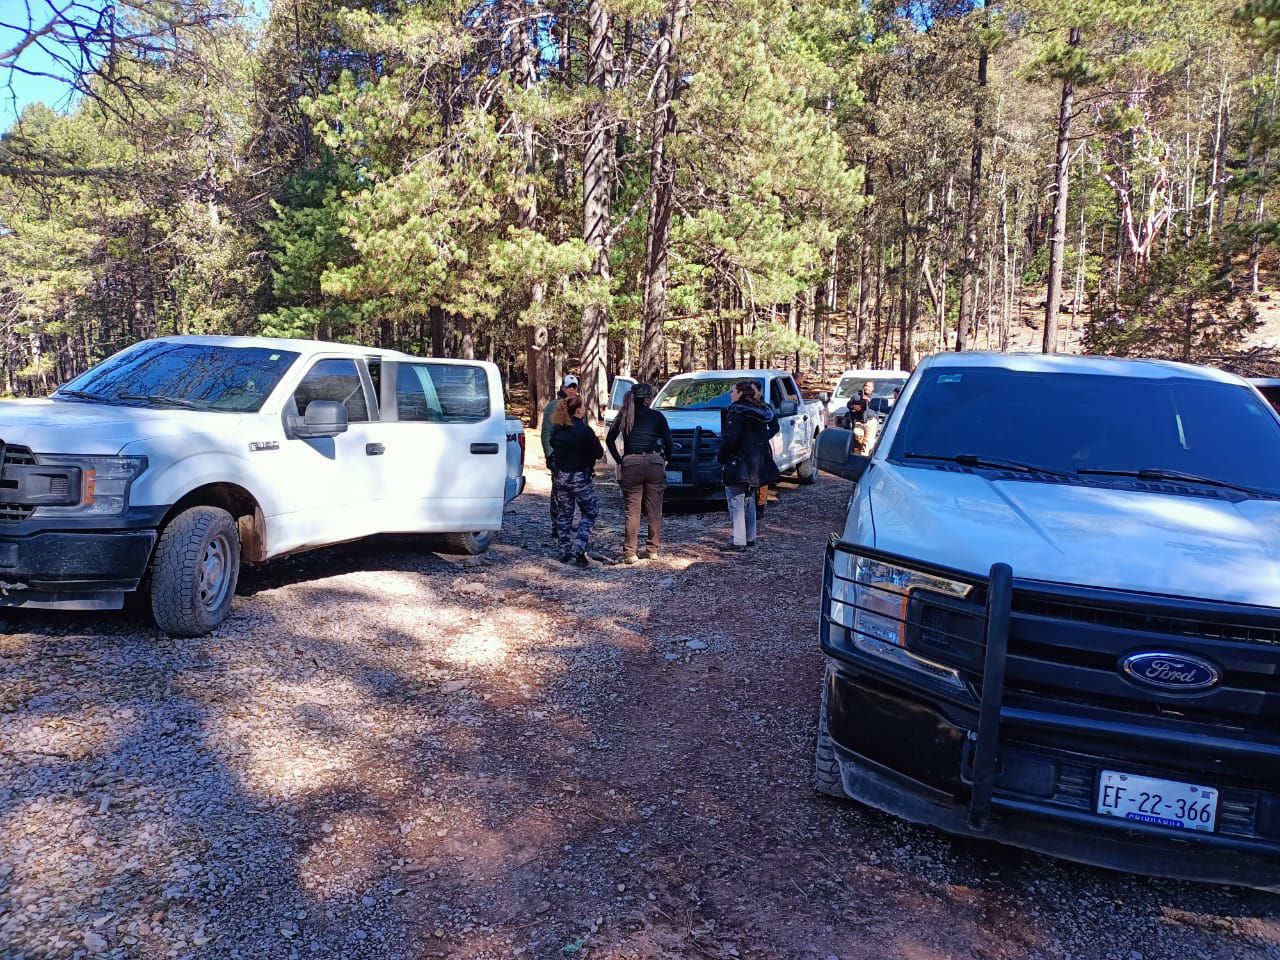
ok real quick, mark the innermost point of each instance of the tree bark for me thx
(596, 175)
(662, 172)
(1053, 302)
(968, 267)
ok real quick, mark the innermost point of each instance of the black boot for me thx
(580, 560)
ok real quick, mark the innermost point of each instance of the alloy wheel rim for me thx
(215, 573)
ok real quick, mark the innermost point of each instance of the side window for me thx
(333, 379)
(374, 366)
(442, 393)
(776, 394)
(793, 392)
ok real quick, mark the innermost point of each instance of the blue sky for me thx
(19, 89)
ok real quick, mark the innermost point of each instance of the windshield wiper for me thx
(157, 398)
(82, 395)
(1174, 476)
(977, 460)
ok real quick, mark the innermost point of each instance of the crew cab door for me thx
(328, 488)
(784, 443)
(802, 425)
(621, 387)
(446, 451)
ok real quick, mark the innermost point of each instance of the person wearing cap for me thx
(642, 468)
(568, 388)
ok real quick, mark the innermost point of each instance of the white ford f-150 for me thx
(694, 404)
(1053, 616)
(170, 463)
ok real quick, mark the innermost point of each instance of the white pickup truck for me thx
(694, 404)
(170, 463)
(1053, 617)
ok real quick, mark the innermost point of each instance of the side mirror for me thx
(824, 396)
(834, 456)
(324, 418)
(788, 408)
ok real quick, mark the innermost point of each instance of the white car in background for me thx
(850, 385)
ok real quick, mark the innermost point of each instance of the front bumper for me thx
(1021, 765)
(74, 565)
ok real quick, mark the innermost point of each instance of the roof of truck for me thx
(1063, 363)
(721, 374)
(303, 347)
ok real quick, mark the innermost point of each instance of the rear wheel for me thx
(807, 470)
(469, 544)
(826, 779)
(194, 572)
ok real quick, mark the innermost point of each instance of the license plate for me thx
(675, 476)
(1166, 803)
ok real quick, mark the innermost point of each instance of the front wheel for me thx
(807, 470)
(469, 544)
(826, 780)
(194, 572)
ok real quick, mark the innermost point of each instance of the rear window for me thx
(199, 376)
(441, 393)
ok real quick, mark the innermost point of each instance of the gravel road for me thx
(385, 753)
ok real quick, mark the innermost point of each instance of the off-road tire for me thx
(194, 572)
(468, 544)
(826, 771)
(807, 470)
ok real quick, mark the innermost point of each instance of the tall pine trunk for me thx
(1057, 242)
(596, 174)
(662, 171)
(968, 267)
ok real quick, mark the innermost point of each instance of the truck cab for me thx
(171, 463)
(694, 403)
(1053, 615)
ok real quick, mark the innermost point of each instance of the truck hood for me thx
(708, 420)
(48, 426)
(1090, 536)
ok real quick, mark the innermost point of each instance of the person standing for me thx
(642, 468)
(568, 388)
(747, 458)
(576, 449)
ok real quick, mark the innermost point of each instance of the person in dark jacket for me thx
(642, 467)
(576, 450)
(568, 388)
(747, 458)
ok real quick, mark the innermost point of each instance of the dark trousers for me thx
(644, 478)
(555, 509)
(575, 489)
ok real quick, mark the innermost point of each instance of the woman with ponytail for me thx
(747, 458)
(642, 467)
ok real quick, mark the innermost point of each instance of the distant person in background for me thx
(576, 449)
(747, 458)
(642, 468)
(864, 427)
(569, 388)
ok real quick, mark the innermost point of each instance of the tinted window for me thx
(702, 394)
(1070, 422)
(200, 376)
(776, 395)
(442, 393)
(1273, 396)
(789, 385)
(333, 379)
(851, 386)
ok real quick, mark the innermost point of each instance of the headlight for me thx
(872, 600)
(104, 484)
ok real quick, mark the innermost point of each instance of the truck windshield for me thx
(849, 386)
(701, 394)
(189, 375)
(1095, 426)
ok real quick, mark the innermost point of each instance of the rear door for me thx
(801, 426)
(621, 387)
(785, 440)
(446, 457)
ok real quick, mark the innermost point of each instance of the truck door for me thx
(802, 425)
(328, 487)
(621, 387)
(446, 452)
(784, 442)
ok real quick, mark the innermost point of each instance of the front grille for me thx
(1146, 622)
(683, 440)
(13, 512)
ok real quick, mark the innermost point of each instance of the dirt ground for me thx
(385, 753)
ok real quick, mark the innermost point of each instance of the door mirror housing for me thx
(788, 408)
(835, 456)
(324, 418)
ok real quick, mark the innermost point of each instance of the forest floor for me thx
(385, 753)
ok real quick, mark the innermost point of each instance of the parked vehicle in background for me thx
(167, 465)
(1059, 630)
(694, 403)
(617, 393)
(1269, 387)
(850, 385)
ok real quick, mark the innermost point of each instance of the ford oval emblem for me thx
(1170, 671)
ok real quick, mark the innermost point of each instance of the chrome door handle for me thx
(374, 449)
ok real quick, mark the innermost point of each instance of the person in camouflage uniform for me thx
(576, 449)
(568, 388)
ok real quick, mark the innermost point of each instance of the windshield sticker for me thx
(950, 377)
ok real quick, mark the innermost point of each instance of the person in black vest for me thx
(576, 449)
(747, 458)
(642, 467)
